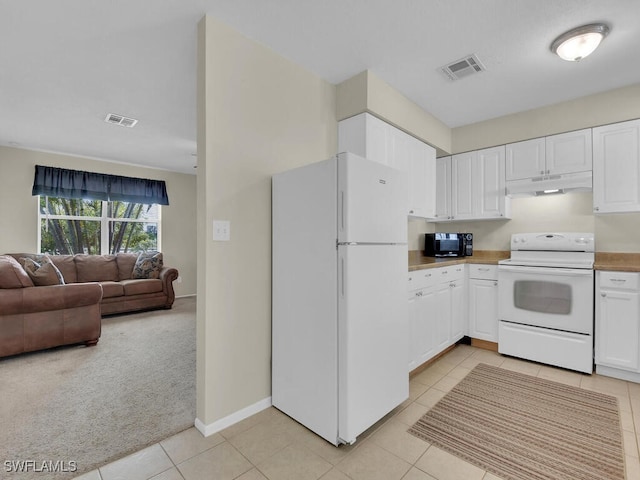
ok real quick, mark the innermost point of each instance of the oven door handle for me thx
(561, 272)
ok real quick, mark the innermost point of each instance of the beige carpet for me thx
(94, 405)
(521, 427)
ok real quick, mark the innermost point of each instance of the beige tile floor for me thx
(269, 445)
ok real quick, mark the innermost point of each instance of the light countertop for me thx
(617, 261)
(612, 261)
(417, 261)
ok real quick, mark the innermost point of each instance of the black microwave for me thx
(448, 244)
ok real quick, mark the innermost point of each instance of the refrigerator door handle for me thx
(342, 276)
(342, 210)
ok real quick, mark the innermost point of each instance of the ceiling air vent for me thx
(464, 67)
(120, 120)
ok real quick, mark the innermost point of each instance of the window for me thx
(75, 225)
(96, 213)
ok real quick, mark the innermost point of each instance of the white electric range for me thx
(545, 306)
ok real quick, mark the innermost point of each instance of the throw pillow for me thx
(12, 275)
(148, 265)
(44, 273)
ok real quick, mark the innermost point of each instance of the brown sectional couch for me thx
(38, 317)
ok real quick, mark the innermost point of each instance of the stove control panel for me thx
(553, 242)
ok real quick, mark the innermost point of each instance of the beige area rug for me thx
(521, 427)
(94, 405)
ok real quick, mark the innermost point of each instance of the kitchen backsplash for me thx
(558, 213)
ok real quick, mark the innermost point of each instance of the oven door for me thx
(555, 298)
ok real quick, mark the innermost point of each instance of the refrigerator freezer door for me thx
(372, 335)
(372, 201)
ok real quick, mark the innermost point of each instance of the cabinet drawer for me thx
(422, 278)
(445, 274)
(483, 272)
(619, 280)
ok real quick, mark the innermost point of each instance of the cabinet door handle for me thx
(548, 171)
(603, 294)
(595, 209)
(410, 211)
(484, 269)
(541, 172)
(495, 284)
(618, 280)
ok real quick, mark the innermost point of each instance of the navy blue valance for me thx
(64, 183)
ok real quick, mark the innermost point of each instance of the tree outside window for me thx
(69, 226)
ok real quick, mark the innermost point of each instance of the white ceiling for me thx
(65, 64)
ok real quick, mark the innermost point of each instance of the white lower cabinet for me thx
(437, 311)
(483, 302)
(458, 305)
(422, 320)
(442, 311)
(618, 324)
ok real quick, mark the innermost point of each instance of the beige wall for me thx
(366, 92)
(600, 109)
(572, 212)
(19, 209)
(552, 213)
(258, 114)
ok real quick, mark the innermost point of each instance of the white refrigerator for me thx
(340, 328)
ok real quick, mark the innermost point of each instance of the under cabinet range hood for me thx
(549, 184)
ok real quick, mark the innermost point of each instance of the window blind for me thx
(65, 183)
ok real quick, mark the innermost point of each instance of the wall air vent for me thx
(462, 68)
(120, 120)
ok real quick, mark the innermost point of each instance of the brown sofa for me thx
(37, 317)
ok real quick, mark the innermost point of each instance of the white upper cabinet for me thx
(443, 189)
(419, 160)
(569, 152)
(553, 155)
(525, 159)
(464, 191)
(376, 140)
(471, 186)
(367, 136)
(493, 202)
(616, 168)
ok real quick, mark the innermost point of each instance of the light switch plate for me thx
(222, 230)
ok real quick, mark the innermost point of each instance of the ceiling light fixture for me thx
(576, 44)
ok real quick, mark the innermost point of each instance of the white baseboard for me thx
(618, 373)
(186, 296)
(235, 417)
